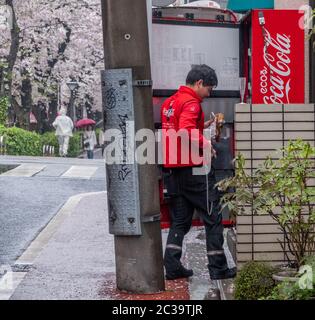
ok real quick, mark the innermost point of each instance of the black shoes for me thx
(226, 274)
(179, 273)
(186, 273)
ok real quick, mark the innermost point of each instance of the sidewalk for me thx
(78, 262)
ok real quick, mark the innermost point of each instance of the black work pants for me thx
(192, 194)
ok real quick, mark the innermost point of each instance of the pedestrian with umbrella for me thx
(89, 136)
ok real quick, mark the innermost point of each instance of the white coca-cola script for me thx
(275, 77)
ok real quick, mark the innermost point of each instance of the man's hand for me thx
(208, 123)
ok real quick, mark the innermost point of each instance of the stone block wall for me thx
(259, 131)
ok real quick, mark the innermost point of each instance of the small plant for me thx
(254, 281)
(283, 185)
(299, 290)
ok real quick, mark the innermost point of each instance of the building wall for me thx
(289, 4)
(259, 131)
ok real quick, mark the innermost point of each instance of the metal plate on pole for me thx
(122, 177)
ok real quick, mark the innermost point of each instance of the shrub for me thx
(290, 291)
(49, 138)
(20, 142)
(254, 281)
(75, 145)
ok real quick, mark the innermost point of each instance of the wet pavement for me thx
(56, 243)
(79, 263)
(28, 203)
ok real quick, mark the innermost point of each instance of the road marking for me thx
(83, 172)
(25, 170)
(9, 282)
(53, 170)
(222, 293)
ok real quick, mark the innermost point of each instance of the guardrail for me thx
(48, 151)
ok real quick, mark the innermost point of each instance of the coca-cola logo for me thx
(275, 76)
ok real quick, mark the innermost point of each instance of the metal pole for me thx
(59, 97)
(74, 113)
(139, 259)
(70, 111)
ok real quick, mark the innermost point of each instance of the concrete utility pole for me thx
(139, 259)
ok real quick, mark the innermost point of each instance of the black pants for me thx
(90, 154)
(192, 194)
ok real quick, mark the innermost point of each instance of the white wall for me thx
(289, 4)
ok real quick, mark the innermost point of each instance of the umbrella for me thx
(84, 122)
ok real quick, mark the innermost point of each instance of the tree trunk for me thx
(11, 58)
(52, 111)
(26, 101)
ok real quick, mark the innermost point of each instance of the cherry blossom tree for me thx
(51, 42)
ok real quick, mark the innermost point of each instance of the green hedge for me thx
(20, 142)
(75, 145)
(50, 139)
(25, 143)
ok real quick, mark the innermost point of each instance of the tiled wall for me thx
(259, 131)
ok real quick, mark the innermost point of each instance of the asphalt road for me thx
(28, 204)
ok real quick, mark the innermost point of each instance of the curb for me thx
(30, 254)
(231, 243)
(24, 263)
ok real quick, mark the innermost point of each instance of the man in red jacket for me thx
(185, 149)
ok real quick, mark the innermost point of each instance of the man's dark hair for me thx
(202, 72)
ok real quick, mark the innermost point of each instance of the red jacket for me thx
(182, 115)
